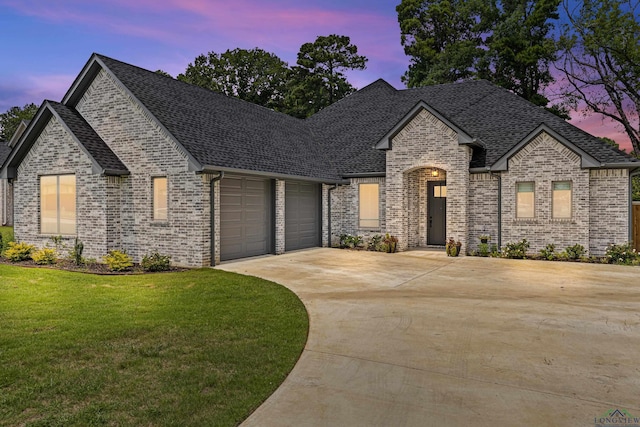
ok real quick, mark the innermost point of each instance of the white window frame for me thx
(58, 208)
(156, 212)
(518, 204)
(368, 223)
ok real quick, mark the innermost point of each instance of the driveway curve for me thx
(420, 339)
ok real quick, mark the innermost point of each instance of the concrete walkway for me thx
(419, 339)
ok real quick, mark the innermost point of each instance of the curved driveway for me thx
(419, 339)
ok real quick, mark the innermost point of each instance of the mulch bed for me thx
(91, 267)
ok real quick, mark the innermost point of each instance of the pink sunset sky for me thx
(46, 44)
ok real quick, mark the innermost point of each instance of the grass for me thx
(202, 347)
(7, 235)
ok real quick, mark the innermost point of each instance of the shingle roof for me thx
(495, 116)
(89, 139)
(4, 152)
(226, 132)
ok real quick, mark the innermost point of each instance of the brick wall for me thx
(55, 152)
(425, 143)
(543, 161)
(148, 151)
(6, 203)
(609, 209)
(280, 216)
(483, 208)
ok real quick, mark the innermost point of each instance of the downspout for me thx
(329, 214)
(631, 175)
(213, 216)
(499, 175)
(4, 203)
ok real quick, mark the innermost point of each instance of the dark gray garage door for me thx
(245, 217)
(302, 215)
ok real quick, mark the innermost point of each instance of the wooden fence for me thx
(636, 225)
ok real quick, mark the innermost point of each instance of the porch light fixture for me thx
(435, 173)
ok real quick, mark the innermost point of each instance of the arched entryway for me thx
(427, 207)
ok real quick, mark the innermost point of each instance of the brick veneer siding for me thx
(148, 151)
(543, 161)
(280, 216)
(345, 208)
(483, 209)
(55, 152)
(609, 209)
(424, 143)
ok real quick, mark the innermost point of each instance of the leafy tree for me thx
(610, 142)
(320, 67)
(163, 73)
(253, 75)
(10, 120)
(601, 61)
(507, 42)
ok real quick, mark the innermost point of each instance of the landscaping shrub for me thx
(621, 254)
(483, 249)
(18, 251)
(574, 252)
(76, 252)
(549, 252)
(350, 241)
(375, 243)
(156, 262)
(118, 261)
(516, 250)
(44, 256)
(391, 243)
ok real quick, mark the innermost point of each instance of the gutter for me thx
(632, 174)
(213, 216)
(365, 175)
(282, 176)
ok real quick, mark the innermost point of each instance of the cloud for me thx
(33, 89)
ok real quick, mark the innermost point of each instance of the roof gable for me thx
(104, 161)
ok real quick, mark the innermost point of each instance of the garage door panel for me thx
(245, 217)
(302, 215)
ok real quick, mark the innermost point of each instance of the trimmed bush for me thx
(156, 262)
(45, 256)
(621, 254)
(118, 261)
(549, 252)
(516, 250)
(18, 251)
(76, 252)
(574, 252)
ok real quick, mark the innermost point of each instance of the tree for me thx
(444, 39)
(252, 75)
(163, 73)
(508, 43)
(601, 61)
(321, 65)
(10, 120)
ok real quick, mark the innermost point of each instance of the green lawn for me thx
(7, 235)
(202, 347)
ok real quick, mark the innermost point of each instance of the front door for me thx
(436, 213)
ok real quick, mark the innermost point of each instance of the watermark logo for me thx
(616, 418)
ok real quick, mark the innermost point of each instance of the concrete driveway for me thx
(419, 339)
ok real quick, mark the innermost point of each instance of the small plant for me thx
(452, 247)
(574, 252)
(516, 250)
(484, 238)
(76, 253)
(350, 241)
(1, 245)
(374, 242)
(18, 251)
(118, 261)
(494, 251)
(483, 249)
(549, 252)
(45, 256)
(156, 262)
(391, 243)
(621, 254)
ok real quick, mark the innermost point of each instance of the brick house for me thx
(137, 161)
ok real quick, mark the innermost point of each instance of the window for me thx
(562, 200)
(369, 206)
(525, 200)
(440, 191)
(159, 198)
(58, 204)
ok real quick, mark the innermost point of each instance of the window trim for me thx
(533, 214)
(153, 199)
(360, 219)
(553, 190)
(40, 210)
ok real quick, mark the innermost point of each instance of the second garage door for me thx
(245, 217)
(302, 215)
